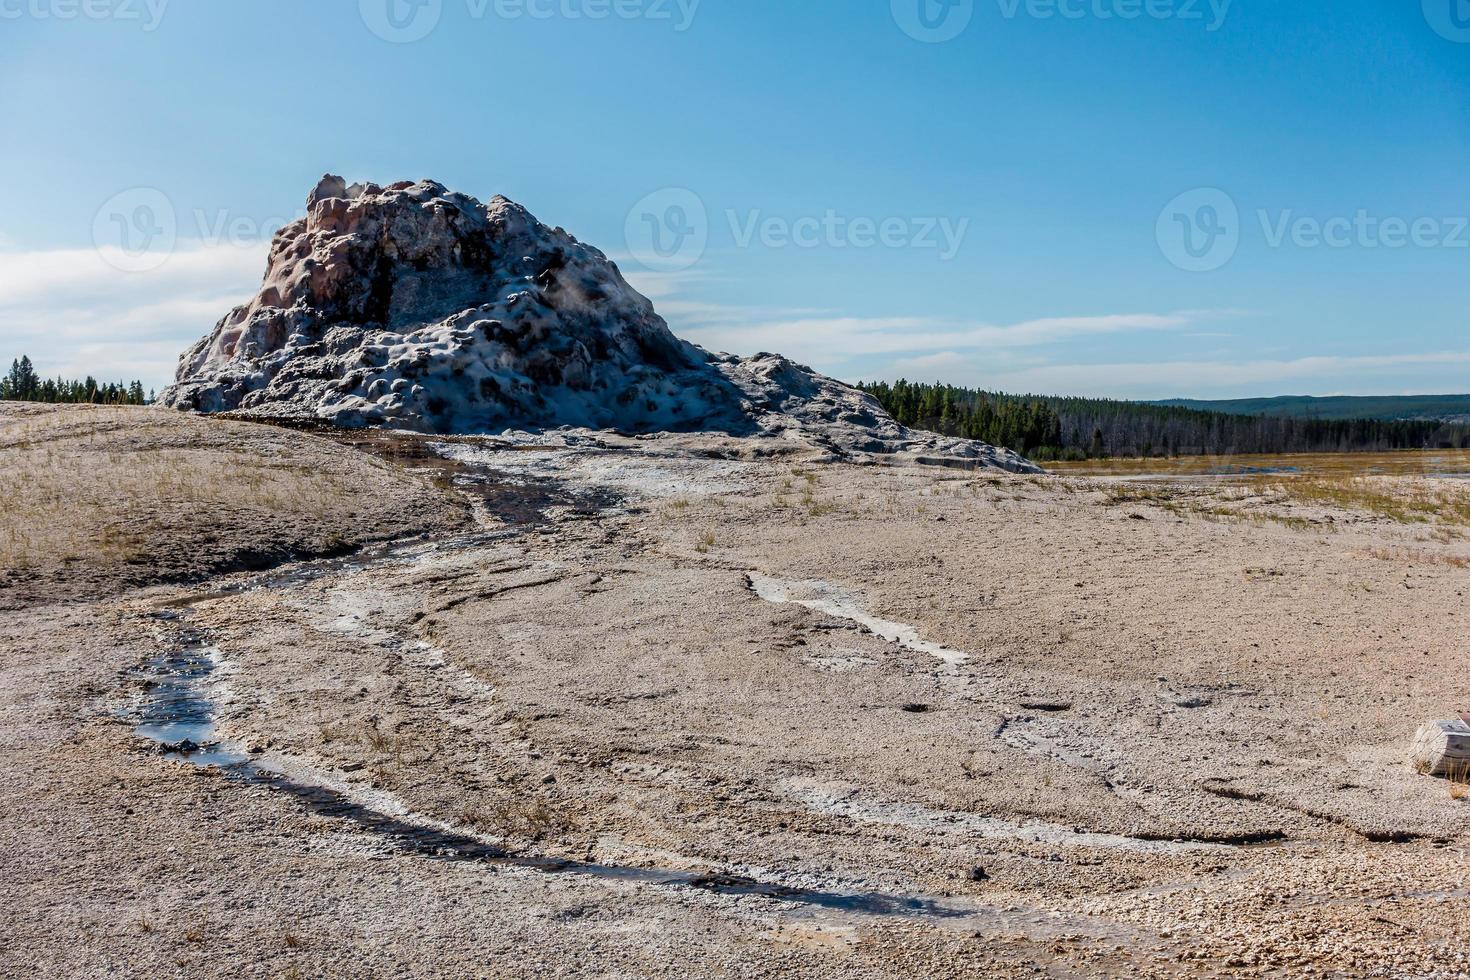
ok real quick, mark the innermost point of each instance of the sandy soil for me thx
(756, 717)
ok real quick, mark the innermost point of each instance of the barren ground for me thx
(662, 708)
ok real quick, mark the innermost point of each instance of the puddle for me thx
(835, 600)
(178, 714)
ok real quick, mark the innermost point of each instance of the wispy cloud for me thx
(656, 285)
(823, 337)
(820, 336)
(1167, 379)
(76, 313)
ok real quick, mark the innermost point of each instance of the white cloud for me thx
(654, 285)
(660, 286)
(818, 337)
(823, 338)
(708, 315)
(913, 346)
(1167, 379)
(28, 278)
(76, 314)
(946, 366)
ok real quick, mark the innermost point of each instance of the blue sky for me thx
(1136, 198)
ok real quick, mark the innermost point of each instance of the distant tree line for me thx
(1048, 428)
(23, 384)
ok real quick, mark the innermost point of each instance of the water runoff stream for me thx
(176, 712)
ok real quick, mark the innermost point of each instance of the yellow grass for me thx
(1459, 777)
(1404, 501)
(1427, 462)
(90, 484)
(1415, 556)
(1399, 487)
(67, 503)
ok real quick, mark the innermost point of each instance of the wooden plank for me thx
(1442, 748)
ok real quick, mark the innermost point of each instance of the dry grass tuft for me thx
(1403, 501)
(1414, 556)
(510, 817)
(1459, 777)
(377, 739)
(1159, 495)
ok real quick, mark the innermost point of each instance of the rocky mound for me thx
(411, 306)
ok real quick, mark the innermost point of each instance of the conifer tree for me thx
(22, 383)
(1046, 428)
